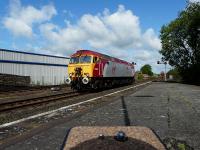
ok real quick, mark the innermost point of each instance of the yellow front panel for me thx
(86, 68)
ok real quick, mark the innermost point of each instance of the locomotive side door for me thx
(100, 62)
(98, 69)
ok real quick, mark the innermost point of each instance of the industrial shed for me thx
(42, 69)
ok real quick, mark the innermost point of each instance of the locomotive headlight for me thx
(85, 80)
(68, 80)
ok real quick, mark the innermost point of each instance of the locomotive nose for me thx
(78, 71)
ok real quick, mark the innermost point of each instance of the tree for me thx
(146, 69)
(181, 43)
(139, 75)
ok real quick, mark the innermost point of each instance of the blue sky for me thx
(128, 29)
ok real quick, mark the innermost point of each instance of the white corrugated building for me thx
(42, 69)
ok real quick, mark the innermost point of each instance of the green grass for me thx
(181, 146)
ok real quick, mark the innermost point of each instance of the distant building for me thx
(145, 76)
(42, 69)
(171, 77)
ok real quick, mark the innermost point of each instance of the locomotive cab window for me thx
(95, 59)
(85, 59)
(74, 60)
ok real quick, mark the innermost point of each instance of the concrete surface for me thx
(170, 109)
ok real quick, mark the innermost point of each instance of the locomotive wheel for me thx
(78, 86)
(94, 86)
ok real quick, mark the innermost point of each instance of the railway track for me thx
(17, 90)
(31, 102)
(9, 90)
(17, 95)
(16, 104)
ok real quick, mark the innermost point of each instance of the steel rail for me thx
(6, 106)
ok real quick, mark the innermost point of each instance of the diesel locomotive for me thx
(90, 69)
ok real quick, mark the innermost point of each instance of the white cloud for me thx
(194, 1)
(21, 19)
(143, 55)
(68, 13)
(116, 33)
(18, 27)
(62, 40)
(151, 39)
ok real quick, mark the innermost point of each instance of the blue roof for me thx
(22, 52)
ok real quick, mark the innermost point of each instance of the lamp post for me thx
(165, 63)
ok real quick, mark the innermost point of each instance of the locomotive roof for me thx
(89, 52)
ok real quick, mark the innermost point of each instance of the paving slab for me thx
(170, 109)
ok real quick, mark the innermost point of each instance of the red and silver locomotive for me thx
(89, 69)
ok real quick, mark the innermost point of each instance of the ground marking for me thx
(62, 108)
